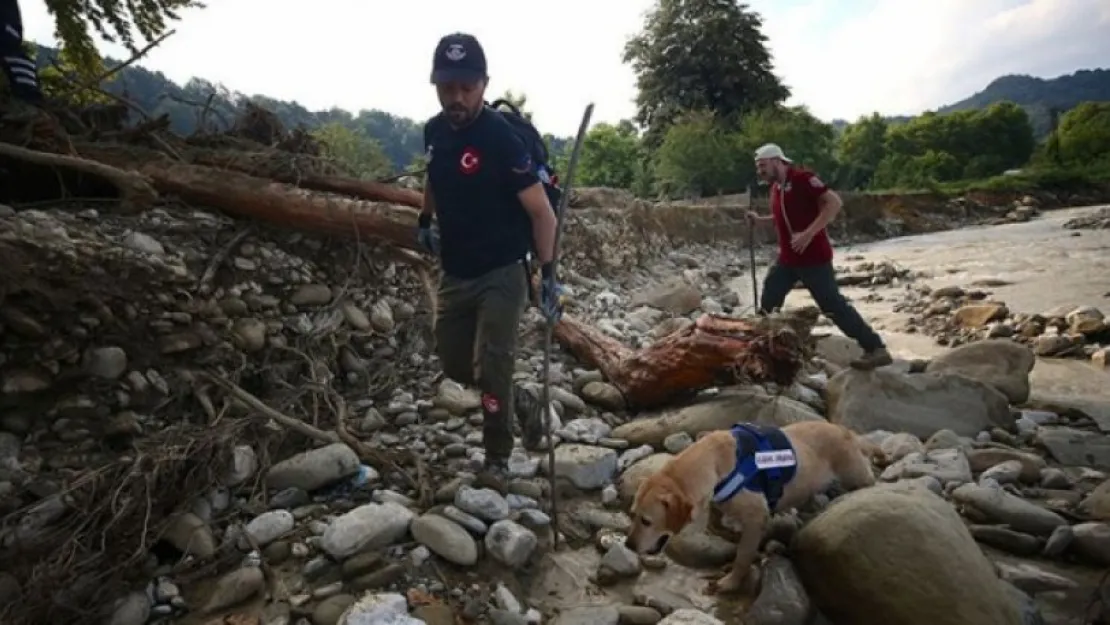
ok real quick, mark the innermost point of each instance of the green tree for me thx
(982, 143)
(807, 140)
(1004, 134)
(518, 100)
(611, 156)
(57, 79)
(114, 21)
(362, 156)
(1084, 134)
(700, 54)
(859, 150)
(699, 156)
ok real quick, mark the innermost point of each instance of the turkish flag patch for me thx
(470, 161)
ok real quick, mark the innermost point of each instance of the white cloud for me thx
(905, 56)
(840, 58)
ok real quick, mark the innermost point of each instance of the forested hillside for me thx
(1038, 96)
(682, 144)
(1041, 96)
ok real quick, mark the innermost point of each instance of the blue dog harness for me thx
(765, 464)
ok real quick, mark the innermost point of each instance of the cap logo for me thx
(455, 52)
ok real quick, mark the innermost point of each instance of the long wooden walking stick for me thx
(751, 262)
(549, 326)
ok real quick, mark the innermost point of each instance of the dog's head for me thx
(660, 510)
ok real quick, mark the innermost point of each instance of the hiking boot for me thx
(872, 359)
(495, 475)
(529, 414)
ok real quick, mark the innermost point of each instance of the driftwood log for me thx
(714, 351)
(279, 204)
(370, 190)
(135, 192)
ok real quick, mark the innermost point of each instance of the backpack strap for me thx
(535, 140)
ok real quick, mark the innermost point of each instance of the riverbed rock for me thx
(314, 468)
(1001, 506)
(918, 403)
(879, 556)
(366, 527)
(751, 405)
(674, 296)
(445, 538)
(630, 480)
(999, 363)
(782, 598)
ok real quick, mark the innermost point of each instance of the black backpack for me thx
(533, 141)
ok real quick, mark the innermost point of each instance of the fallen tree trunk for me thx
(715, 351)
(284, 205)
(135, 192)
(247, 163)
(250, 197)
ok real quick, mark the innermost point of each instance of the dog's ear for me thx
(678, 508)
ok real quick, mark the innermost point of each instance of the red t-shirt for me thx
(800, 194)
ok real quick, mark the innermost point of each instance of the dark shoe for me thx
(872, 360)
(495, 475)
(529, 414)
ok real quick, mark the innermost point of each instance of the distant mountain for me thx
(1038, 96)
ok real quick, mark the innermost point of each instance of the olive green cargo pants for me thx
(476, 337)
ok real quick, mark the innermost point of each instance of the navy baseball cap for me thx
(459, 57)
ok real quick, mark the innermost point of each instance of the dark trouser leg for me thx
(777, 284)
(820, 280)
(501, 301)
(18, 67)
(456, 328)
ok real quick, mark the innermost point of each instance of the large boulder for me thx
(752, 405)
(998, 363)
(918, 403)
(884, 555)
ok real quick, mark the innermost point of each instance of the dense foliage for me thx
(114, 21)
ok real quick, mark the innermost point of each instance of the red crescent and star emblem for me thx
(469, 162)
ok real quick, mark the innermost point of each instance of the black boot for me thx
(495, 475)
(529, 410)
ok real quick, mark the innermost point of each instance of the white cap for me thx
(771, 150)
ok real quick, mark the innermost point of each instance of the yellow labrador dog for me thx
(750, 472)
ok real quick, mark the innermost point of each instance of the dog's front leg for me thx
(752, 511)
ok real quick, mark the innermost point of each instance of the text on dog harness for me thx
(765, 464)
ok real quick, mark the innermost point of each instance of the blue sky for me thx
(842, 58)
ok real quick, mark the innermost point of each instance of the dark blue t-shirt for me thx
(475, 174)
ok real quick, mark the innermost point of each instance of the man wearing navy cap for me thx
(484, 190)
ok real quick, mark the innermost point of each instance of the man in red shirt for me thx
(801, 209)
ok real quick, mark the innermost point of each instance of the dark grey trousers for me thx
(476, 336)
(820, 281)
